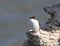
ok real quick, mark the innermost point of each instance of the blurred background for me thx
(14, 15)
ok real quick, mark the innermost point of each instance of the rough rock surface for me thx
(50, 34)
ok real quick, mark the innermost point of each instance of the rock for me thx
(54, 11)
(50, 34)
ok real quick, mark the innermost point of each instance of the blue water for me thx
(14, 16)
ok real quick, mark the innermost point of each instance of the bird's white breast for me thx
(34, 24)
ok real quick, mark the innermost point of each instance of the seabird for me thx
(34, 23)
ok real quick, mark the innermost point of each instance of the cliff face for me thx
(50, 34)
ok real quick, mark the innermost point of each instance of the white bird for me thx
(34, 23)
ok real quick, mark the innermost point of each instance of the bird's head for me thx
(32, 17)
